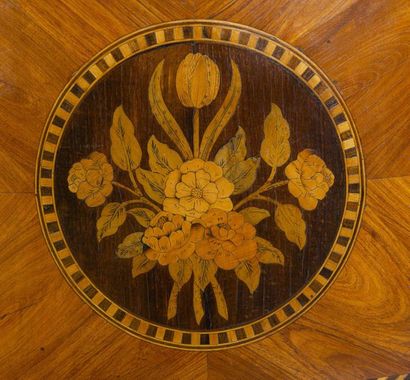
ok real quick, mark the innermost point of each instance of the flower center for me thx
(196, 192)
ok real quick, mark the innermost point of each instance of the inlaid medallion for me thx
(200, 184)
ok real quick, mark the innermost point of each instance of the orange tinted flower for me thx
(170, 238)
(91, 179)
(228, 239)
(309, 179)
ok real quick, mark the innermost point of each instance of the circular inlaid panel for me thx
(200, 184)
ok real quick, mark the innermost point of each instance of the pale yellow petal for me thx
(84, 190)
(225, 188)
(108, 172)
(187, 202)
(170, 183)
(202, 178)
(210, 196)
(213, 169)
(189, 179)
(201, 205)
(307, 202)
(183, 190)
(296, 188)
(95, 199)
(223, 204)
(106, 189)
(292, 170)
(172, 205)
(192, 165)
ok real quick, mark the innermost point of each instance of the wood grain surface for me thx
(359, 329)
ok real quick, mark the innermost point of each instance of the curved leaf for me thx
(131, 246)
(142, 215)
(112, 217)
(275, 148)
(197, 303)
(181, 271)
(172, 302)
(243, 174)
(204, 271)
(224, 114)
(249, 272)
(267, 253)
(254, 215)
(153, 184)
(289, 220)
(125, 149)
(162, 159)
(232, 152)
(141, 264)
(163, 116)
(220, 299)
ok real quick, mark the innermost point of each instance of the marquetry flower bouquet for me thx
(183, 201)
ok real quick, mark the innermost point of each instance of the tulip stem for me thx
(256, 194)
(140, 198)
(196, 132)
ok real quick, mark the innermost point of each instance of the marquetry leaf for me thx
(224, 114)
(112, 217)
(232, 152)
(162, 159)
(197, 303)
(289, 219)
(254, 215)
(267, 253)
(181, 271)
(142, 215)
(131, 246)
(204, 271)
(172, 301)
(243, 174)
(220, 299)
(153, 184)
(275, 148)
(249, 272)
(164, 116)
(141, 264)
(125, 149)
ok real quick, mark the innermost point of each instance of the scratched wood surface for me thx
(359, 329)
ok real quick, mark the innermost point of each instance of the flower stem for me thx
(140, 198)
(256, 194)
(196, 132)
(134, 182)
(120, 185)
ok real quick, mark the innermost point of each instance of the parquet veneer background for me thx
(359, 329)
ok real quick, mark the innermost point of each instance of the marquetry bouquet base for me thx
(183, 202)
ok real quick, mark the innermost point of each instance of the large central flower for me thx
(195, 187)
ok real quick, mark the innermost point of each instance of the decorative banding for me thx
(220, 33)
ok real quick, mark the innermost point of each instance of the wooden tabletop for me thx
(359, 328)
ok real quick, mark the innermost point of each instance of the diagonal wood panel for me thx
(358, 329)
